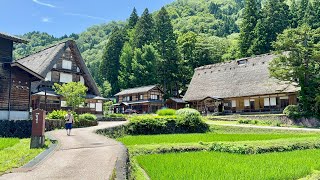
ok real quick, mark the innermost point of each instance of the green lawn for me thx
(8, 142)
(206, 137)
(15, 153)
(215, 165)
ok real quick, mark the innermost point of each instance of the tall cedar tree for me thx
(167, 47)
(275, 19)
(249, 21)
(125, 74)
(302, 11)
(144, 66)
(301, 65)
(133, 19)
(294, 14)
(144, 33)
(110, 65)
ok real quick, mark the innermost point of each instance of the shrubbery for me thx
(292, 111)
(115, 115)
(18, 128)
(186, 121)
(57, 114)
(166, 112)
(87, 116)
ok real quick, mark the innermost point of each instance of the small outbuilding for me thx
(175, 103)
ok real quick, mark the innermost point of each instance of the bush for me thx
(15, 128)
(166, 112)
(115, 116)
(87, 116)
(57, 114)
(149, 124)
(187, 112)
(292, 111)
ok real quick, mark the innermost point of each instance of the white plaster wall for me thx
(14, 115)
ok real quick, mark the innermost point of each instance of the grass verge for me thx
(17, 155)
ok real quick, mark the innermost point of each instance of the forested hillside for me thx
(164, 47)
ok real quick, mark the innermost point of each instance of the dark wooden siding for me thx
(4, 85)
(6, 50)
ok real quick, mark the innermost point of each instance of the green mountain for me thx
(213, 19)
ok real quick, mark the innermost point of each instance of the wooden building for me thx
(175, 103)
(61, 63)
(15, 82)
(146, 99)
(239, 86)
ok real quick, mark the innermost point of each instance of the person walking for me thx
(69, 121)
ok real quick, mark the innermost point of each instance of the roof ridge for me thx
(48, 47)
(139, 87)
(235, 60)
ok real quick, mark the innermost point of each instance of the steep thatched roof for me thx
(12, 38)
(136, 90)
(43, 61)
(243, 77)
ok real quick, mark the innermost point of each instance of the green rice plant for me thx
(8, 142)
(166, 112)
(204, 137)
(216, 165)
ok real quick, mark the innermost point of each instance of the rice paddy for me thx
(216, 165)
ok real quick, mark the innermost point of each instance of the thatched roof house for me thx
(247, 77)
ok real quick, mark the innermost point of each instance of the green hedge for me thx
(292, 111)
(57, 114)
(149, 124)
(15, 128)
(87, 116)
(166, 112)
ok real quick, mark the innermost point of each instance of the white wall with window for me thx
(99, 107)
(141, 97)
(65, 77)
(246, 102)
(82, 79)
(234, 103)
(66, 64)
(154, 97)
(272, 101)
(48, 76)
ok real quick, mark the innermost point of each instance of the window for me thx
(154, 97)
(273, 101)
(78, 69)
(246, 102)
(48, 77)
(266, 101)
(55, 66)
(242, 61)
(141, 97)
(82, 79)
(66, 64)
(234, 103)
(65, 77)
(99, 107)
(270, 101)
(92, 105)
(63, 103)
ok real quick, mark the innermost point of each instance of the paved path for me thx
(83, 155)
(267, 127)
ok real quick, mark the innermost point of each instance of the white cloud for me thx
(44, 4)
(86, 16)
(45, 19)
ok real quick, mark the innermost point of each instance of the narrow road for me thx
(83, 155)
(267, 127)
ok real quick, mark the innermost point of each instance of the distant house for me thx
(242, 85)
(175, 103)
(146, 99)
(15, 82)
(61, 63)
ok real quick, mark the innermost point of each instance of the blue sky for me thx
(59, 17)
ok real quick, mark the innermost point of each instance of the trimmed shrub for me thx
(149, 124)
(87, 116)
(115, 116)
(292, 111)
(187, 112)
(166, 112)
(15, 128)
(57, 114)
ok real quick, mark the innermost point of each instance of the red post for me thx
(38, 126)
